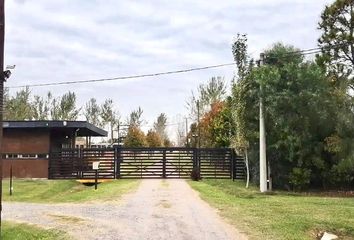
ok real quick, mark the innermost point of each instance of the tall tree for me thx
(153, 139)
(19, 107)
(207, 94)
(41, 106)
(64, 107)
(167, 143)
(135, 137)
(241, 103)
(135, 118)
(92, 112)
(300, 113)
(109, 115)
(160, 127)
(192, 136)
(181, 131)
(207, 125)
(337, 41)
(222, 127)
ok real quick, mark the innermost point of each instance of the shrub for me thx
(195, 174)
(300, 178)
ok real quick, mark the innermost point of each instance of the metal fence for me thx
(122, 162)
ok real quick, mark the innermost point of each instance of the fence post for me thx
(198, 158)
(80, 162)
(194, 158)
(117, 161)
(50, 156)
(164, 164)
(233, 165)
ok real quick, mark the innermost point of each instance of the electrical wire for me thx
(166, 125)
(309, 51)
(302, 52)
(124, 77)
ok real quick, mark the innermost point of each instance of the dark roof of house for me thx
(83, 128)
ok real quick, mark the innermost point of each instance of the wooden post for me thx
(164, 164)
(117, 160)
(232, 165)
(2, 80)
(198, 109)
(11, 188)
(194, 158)
(96, 177)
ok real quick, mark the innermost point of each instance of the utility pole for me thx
(262, 139)
(198, 111)
(2, 80)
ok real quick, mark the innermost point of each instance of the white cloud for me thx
(75, 40)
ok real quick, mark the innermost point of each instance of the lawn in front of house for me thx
(60, 191)
(20, 231)
(281, 215)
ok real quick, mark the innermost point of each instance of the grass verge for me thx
(61, 191)
(19, 231)
(280, 215)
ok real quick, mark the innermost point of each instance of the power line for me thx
(124, 77)
(302, 52)
(291, 54)
(166, 125)
(309, 51)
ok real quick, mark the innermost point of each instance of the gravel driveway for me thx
(159, 209)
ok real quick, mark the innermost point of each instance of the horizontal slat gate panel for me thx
(215, 163)
(240, 168)
(64, 165)
(71, 164)
(179, 163)
(121, 162)
(138, 163)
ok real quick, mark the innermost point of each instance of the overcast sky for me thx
(64, 40)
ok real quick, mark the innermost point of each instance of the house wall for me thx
(26, 168)
(25, 141)
(58, 139)
(28, 141)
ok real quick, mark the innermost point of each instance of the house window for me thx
(28, 156)
(42, 155)
(66, 145)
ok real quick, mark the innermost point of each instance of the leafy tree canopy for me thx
(135, 138)
(153, 139)
(337, 41)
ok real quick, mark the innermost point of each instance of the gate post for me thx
(117, 161)
(233, 165)
(79, 163)
(197, 162)
(164, 164)
(196, 158)
(50, 164)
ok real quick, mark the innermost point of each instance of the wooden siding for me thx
(29, 141)
(26, 168)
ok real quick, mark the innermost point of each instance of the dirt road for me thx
(159, 209)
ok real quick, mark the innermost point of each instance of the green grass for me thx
(59, 191)
(280, 215)
(17, 231)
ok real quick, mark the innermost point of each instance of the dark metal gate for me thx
(122, 162)
(77, 163)
(154, 162)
